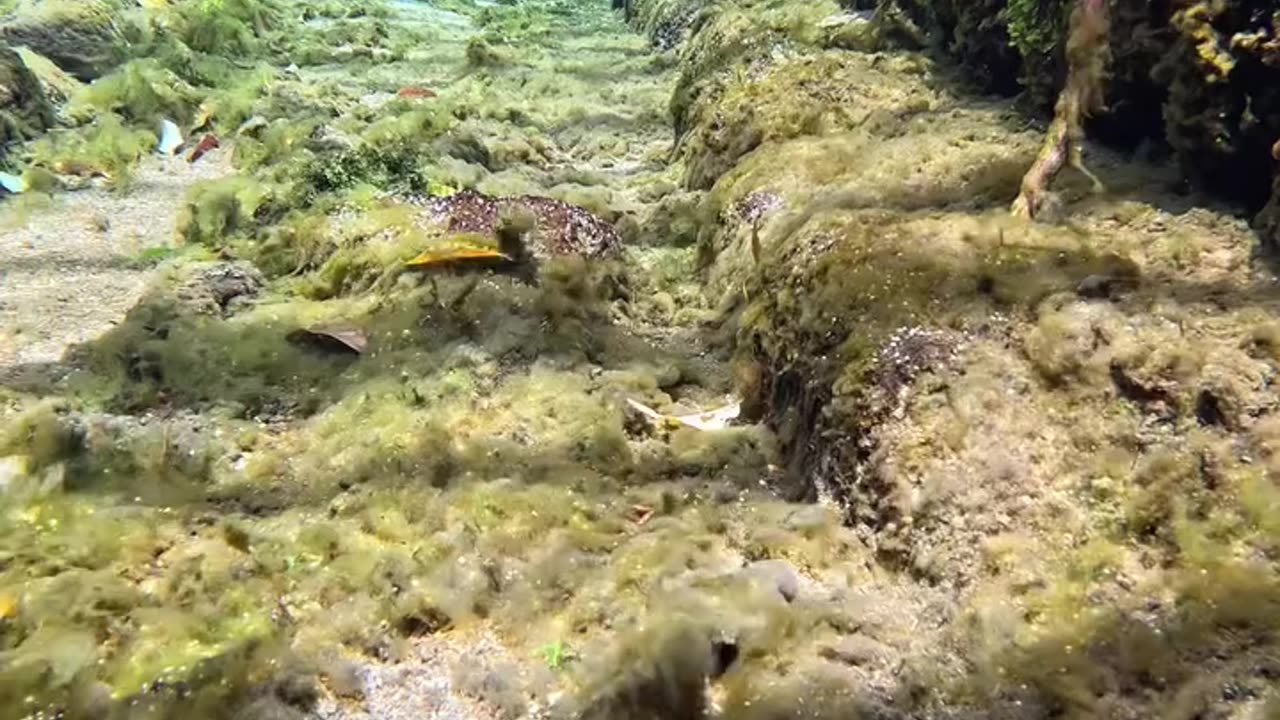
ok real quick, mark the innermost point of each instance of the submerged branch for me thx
(1087, 55)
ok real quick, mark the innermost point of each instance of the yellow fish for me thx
(8, 605)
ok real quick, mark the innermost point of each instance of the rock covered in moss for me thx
(58, 85)
(558, 228)
(82, 36)
(24, 108)
(672, 222)
(659, 673)
(215, 288)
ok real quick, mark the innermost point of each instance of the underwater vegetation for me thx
(679, 360)
(874, 283)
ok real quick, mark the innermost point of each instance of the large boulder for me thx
(82, 36)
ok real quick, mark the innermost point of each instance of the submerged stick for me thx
(1087, 55)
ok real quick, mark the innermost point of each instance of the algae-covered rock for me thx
(58, 85)
(1018, 415)
(660, 672)
(553, 227)
(82, 36)
(24, 107)
(216, 288)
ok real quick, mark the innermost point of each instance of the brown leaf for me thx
(413, 92)
(335, 339)
(639, 514)
(207, 143)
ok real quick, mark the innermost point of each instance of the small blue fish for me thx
(15, 184)
(170, 137)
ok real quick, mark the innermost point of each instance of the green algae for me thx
(108, 148)
(142, 92)
(399, 534)
(218, 209)
(508, 487)
(225, 27)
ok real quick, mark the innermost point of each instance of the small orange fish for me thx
(207, 143)
(1275, 150)
(413, 92)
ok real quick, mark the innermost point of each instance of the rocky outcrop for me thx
(58, 85)
(82, 36)
(996, 403)
(24, 109)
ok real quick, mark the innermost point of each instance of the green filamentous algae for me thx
(645, 360)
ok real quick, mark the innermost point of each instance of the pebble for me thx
(1095, 287)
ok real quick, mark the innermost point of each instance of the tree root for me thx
(1087, 55)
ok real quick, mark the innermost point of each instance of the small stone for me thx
(1095, 287)
(253, 126)
(297, 690)
(852, 31)
(780, 573)
(219, 288)
(857, 650)
(328, 138)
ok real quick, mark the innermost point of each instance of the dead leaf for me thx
(432, 259)
(334, 339)
(717, 419)
(207, 143)
(413, 92)
(639, 514)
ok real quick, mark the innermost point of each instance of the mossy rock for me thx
(730, 37)
(82, 36)
(58, 85)
(24, 108)
(815, 94)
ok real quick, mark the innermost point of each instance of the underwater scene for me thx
(639, 359)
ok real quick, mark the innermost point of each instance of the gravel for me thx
(419, 687)
(71, 272)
